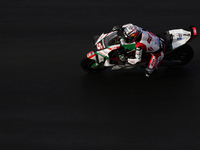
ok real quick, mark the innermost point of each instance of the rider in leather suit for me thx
(145, 41)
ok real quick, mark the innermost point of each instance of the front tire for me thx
(86, 65)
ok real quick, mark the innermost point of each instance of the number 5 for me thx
(99, 46)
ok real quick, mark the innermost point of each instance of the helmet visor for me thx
(134, 35)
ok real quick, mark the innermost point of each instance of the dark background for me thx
(48, 102)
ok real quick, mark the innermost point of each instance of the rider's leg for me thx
(154, 62)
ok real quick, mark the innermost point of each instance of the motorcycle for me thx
(107, 51)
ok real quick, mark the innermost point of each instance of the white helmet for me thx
(131, 31)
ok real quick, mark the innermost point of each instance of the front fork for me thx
(99, 60)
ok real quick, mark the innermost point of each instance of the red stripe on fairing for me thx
(106, 35)
(194, 31)
(114, 48)
(194, 34)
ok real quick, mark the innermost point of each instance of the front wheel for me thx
(86, 65)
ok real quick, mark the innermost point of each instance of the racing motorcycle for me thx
(107, 51)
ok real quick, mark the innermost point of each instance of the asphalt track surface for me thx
(48, 102)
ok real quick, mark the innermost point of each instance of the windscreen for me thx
(111, 39)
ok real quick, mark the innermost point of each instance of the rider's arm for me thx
(138, 56)
(127, 46)
(122, 41)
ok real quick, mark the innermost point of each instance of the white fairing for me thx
(180, 37)
(107, 63)
(105, 53)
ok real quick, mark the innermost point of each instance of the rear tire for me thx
(184, 53)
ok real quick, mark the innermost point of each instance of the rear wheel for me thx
(184, 55)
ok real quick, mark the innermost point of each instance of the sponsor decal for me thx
(179, 39)
(179, 36)
(99, 46)
(91, 54)
(186, 34)
(149, 38)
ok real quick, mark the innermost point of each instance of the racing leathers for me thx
(149, 43)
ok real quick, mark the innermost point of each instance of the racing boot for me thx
(116, 67)
(148, 72)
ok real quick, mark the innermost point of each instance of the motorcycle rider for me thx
(145, 41)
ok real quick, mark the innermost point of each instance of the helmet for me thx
(131, 32)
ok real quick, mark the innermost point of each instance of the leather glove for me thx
(116, 28)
